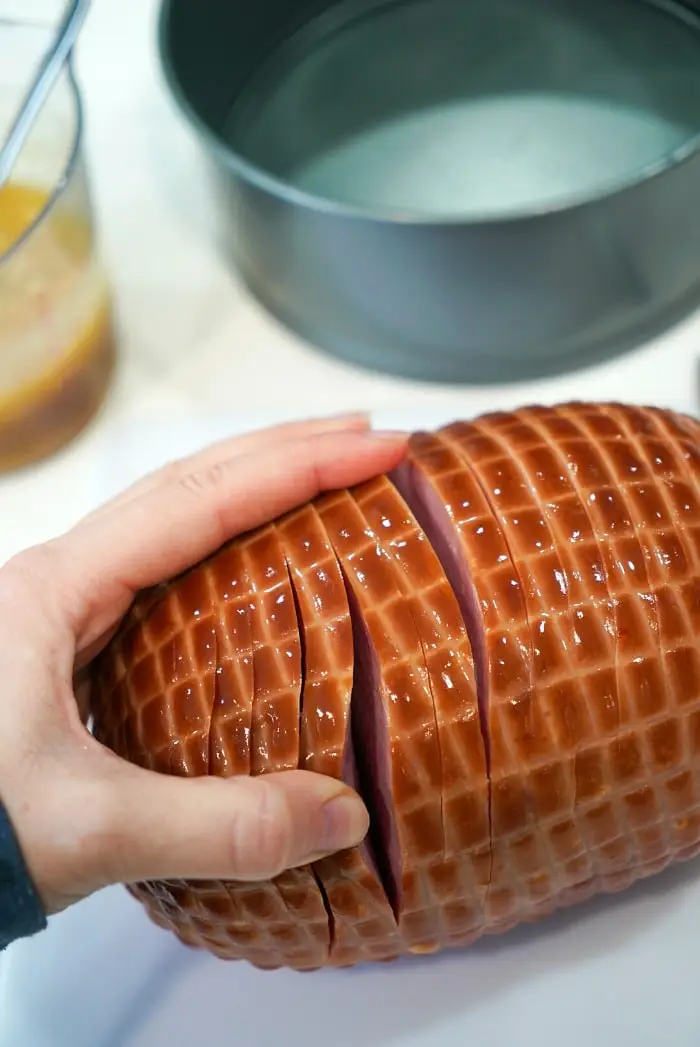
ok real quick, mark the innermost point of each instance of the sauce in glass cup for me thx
(57, 343)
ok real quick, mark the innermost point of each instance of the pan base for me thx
(489, 157)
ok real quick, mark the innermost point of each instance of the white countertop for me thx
(193, 344)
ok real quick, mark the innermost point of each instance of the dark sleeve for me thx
(21, 911)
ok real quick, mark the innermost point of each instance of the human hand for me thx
(86, 819)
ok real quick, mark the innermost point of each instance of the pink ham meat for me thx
(497, 646)
(447, 658)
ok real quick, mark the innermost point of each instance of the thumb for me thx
(243, 828)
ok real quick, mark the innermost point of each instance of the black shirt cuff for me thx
(21, 911)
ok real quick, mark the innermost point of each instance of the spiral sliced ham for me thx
(496, 646)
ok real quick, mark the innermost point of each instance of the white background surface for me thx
(619, 973)
(197, 357)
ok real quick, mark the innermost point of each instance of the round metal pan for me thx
(453, 190)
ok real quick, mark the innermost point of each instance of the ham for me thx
(496, 646)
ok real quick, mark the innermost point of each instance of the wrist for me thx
(21, 910)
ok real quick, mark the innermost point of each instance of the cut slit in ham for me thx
(424, 503)
(360, 920)
(302, 641)
(303, 650)
(366, 764)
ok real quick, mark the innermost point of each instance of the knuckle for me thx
(32, 580)
(263, 837)
(208, 479)
(29, 565)
(193, 483)
(172, 472)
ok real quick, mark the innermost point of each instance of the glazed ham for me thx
(496, 646)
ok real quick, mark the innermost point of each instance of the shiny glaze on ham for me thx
(497, 646)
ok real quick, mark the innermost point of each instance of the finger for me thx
(223, 450)
(168, 529)
(248, 829)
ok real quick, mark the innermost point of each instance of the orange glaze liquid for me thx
(57, 347)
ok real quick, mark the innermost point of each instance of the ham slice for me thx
(362, 923)
(394, 733)
(496, 646)
(229, 738)
(296, 920)
(163, 668)
(462, 869)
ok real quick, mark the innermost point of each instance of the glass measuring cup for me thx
(57, 343)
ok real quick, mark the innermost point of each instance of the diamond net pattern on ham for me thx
(363, 926)
(302, 937)
(497, 646)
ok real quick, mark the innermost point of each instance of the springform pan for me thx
(453, 190)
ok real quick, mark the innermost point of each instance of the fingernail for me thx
(345, 823)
